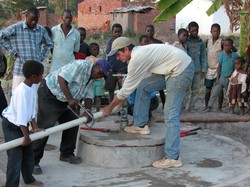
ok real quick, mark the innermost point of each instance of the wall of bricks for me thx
(94, 16)
(163, 30)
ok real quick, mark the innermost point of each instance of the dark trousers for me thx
(3, 101)
(19, 158)
(51, 110)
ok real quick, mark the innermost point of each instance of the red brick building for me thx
(99, 15)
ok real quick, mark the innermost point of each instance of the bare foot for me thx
(36, 183)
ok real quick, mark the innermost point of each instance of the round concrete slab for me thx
(121, 149)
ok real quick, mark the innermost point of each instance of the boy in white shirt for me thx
(16, 119)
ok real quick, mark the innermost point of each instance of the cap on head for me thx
(105, 65)
(120, 43)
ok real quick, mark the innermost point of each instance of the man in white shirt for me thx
(172, 69)
(66, 41)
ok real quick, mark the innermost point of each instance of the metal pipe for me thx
(49, 131)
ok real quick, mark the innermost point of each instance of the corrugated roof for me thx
(139, 9)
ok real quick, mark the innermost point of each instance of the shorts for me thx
(99, 87)
(209, 83)
(110, 85)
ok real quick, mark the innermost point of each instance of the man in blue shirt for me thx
(61, 89)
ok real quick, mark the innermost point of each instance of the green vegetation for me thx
(10, 9)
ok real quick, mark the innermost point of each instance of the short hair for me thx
(182, 30)
(150, 26)
(81, 29)
(241, 59)
(93, 45)
(32, 67)
(116, 25)
(66, 11)
(228, 40)
(215, 25)
(142, 36)
(192, 24)
(33, 10)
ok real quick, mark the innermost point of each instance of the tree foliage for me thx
(60, 5)
(14, 7)
(170, 8)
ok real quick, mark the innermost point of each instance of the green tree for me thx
(170, 8)
(15, 7)
(60, 5)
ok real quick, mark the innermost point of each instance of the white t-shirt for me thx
(159, 59)
(22, 108)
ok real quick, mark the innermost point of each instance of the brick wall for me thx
(94, 16)
(163, 30)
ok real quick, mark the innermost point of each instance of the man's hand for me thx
(115, 105)
(106, 111)
(73, 103)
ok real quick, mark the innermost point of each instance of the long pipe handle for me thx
(49, 131)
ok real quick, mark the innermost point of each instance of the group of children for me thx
(217, 62)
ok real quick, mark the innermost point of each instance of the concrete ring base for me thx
(121, 150)
(120, 157)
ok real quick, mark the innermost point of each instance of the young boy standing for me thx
(84, 47)
(150, 32)
(15, 123)
(182, 39)
(115, 64)
(224, 70)
(196, 49)
(214, 48)
(98, 87)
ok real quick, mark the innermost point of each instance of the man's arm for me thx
(47, 45)
(65, 89)
(77, 44)
(5, 40)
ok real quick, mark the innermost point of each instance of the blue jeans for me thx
(176, 89)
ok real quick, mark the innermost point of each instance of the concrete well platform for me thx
(218, 156)
(121, 149)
